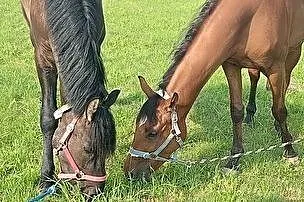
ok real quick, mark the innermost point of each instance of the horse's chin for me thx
(144, 176)
(137, 169)
(90, 192)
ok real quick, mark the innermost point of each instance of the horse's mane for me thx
(102, 145)
(76, 31)
(179, 53)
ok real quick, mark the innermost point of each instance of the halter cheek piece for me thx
(174, 133)
(78, 174)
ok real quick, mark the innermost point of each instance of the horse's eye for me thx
(152, 135)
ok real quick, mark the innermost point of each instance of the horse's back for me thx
(274, 29)
(280, 21)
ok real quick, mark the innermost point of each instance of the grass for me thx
(140, 37)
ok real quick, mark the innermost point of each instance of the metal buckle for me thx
(79, 175)
(57, 150)
(146, 156)
(173, 157)
(174, 117)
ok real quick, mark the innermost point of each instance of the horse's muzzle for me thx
(137, 169)
(91, 191)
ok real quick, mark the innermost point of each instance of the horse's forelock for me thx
(148, 110)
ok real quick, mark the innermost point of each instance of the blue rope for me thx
(49, 191)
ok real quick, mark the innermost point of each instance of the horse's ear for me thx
(173, 100)
(111, 98)
(91, 109)
(145, 87)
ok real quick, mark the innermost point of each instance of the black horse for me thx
(66, 36)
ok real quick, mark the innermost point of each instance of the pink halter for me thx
(78, 174)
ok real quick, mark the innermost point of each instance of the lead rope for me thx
(48, 192)
(189, 163)
(175, 131)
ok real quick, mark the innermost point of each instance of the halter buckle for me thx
(57, 150)
(174, 157)
(146, 156)
(79, 175)
(174, 117)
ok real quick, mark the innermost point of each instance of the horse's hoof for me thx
(249, 121)
(230, 171)
(292, 160)
(249, 124)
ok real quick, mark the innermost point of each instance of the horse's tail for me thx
(76, 31)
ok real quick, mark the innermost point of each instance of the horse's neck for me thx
(190, 77)
(208, 50)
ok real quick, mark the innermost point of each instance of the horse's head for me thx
(83, 143)
(157, 133)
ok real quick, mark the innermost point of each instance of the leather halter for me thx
(78, 174)
(175, 133)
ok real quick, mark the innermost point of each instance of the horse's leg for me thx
(291, 61)
(277, 81)
(47, 74)
(233, 74)
(254, 75)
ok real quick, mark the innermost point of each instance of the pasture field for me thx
(140, 36)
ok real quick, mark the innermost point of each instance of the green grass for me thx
(140, 37)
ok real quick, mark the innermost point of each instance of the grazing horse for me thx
(66, 36)
(265, 35)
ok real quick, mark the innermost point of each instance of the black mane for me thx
(102, 145)
(182, 48)
(77, 30)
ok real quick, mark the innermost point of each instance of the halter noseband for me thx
(174, 133)
(78, 174)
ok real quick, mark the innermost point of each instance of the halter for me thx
(174, 133)
(78, 174)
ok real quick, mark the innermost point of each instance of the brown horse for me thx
(265, 35)
(66, 36)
